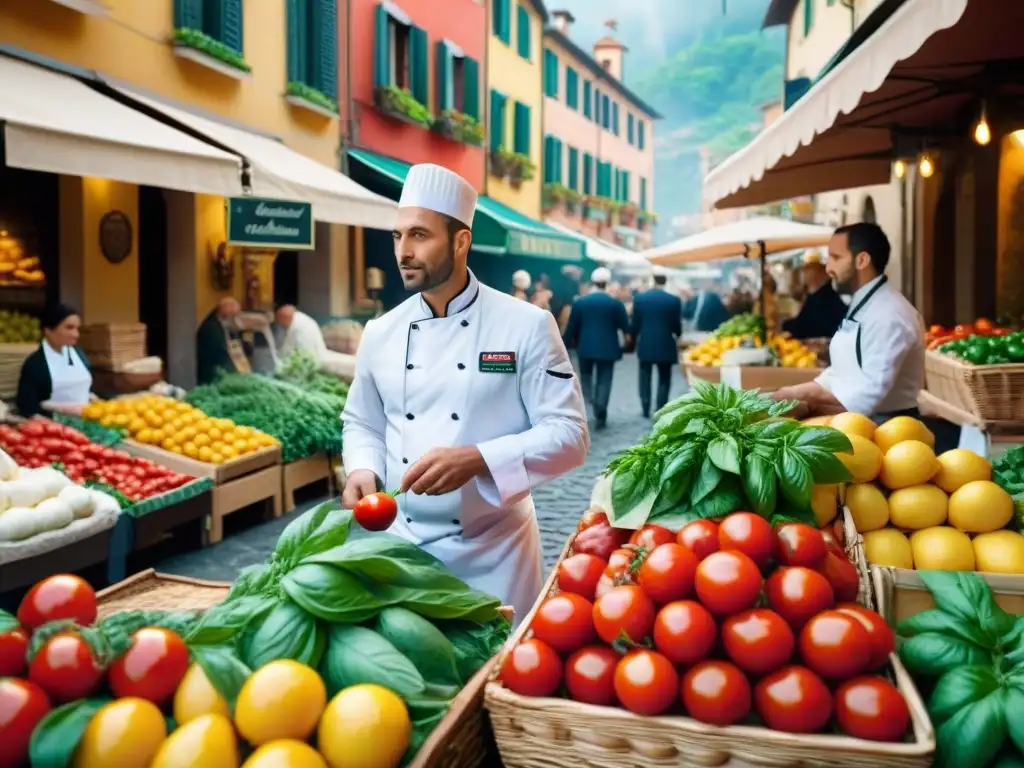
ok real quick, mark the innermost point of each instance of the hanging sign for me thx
(261, 223)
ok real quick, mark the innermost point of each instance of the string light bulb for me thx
(899, 169)
(982, 131)
(925, 167)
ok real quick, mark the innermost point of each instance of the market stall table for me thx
(303, 472)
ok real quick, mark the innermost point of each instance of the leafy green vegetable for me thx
(225, 671)
(359, 655)
(224, 622)
(390, 560)
(933, 654)
(56, 736)
(288, 632)
(974, 735)
(311, 533)
(422, 643)
(331, 594)
(8, 621)
(475, 643)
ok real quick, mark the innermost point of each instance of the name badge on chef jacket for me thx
(497, 362)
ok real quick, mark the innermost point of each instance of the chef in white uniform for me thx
(465, 399)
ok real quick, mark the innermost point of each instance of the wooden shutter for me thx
(382, 47)
(521, 140)
(296, 40)
(188, 14)
(419, 86)
(549, 162)
(471, 87)
(574, 168)
(443, 75)
(325, 44)
(232, 25)
(588, 107)
(497, 121)
(641, 130)
(523, 31)
(588, 174)
(643, 194)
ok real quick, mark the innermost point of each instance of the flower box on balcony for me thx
(197, 46)
(306, 97)
(520, 169)
(459, 126)
(398, 104)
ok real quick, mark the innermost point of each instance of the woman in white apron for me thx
(56, 377)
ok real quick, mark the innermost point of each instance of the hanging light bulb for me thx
(982, 132)
(899, 169)
(925, 166)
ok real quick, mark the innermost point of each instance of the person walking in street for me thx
(593, 331)
(521, 284)
(464, 399)
(823, 311)
(705, 310)
(656, 326)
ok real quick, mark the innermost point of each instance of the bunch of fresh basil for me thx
(970, 652)
(716, 450)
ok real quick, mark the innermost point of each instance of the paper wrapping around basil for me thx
(163, 500)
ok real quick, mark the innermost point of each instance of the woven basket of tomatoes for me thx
(727, 643)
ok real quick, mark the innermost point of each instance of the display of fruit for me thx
(790, 352)
(19, 328)
(745, 324)
(18, 265)
(938, 336)
(178, 427)
(918, 510)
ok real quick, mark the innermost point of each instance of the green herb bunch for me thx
(716, 450)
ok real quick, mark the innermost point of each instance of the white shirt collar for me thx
(864, 290)
(62, 353)
(461, 301)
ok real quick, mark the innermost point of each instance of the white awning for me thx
(56, 124)
(731, 240)
(282, 173)
(605, 253)
(791, 157)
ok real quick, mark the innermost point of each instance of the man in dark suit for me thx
(823, 311)
(705, 310)
(593, 331)
(657, 324)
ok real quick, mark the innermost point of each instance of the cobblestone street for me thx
(559, 503)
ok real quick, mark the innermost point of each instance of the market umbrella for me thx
(740, 238)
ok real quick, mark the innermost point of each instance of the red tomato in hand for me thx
(883, 639)
(580, 573)
(836, 645)
(65, 668)
(842, 575)
(593, 516)
(64, 596)
(564, 621)
(652, 536)
(794, 700)
(624, 610)
(646, 683)
(600, 540)
(728, 582)
(759, 641)
(13, 646)
(800, 544)
(684, 631)
(590, 675)
(700, 537)
(716, 692)
(151, 668)
(797, 594)
(376, 512)
(872, 708)
(22, 706)
(667, 573)
(747, 533)
(532, 668)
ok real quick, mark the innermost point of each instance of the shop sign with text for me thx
(257, 222)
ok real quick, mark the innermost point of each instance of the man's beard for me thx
(426, 279)
(845, 287)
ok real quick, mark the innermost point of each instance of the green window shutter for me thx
(597, 105)
(497, 121)
(188, 14)
(808, 16)
(631, 128)
(574, 169)
(419, 87)
(572, 88)
(641, 138)
(382, 47)
(297, 53)
(615, 118)
(232, 25)
(588, 174)
(588, 106)
(471, 87)
(443, 73)
(546, 172)
(643, 194)
(625, 186)
(523, 31)
(502, 23)
(325, 45)
(606, 112)
(522, 129)
(550, 73)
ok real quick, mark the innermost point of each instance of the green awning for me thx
(497, 228)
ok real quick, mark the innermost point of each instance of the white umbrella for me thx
(739, 238)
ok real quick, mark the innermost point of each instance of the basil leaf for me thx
(795, 479)
(974, 735)
(669, 497)
(627, 489)
(1013, 642)
(56, 736)
(782, 407)
(706, 481)
(468, 603)
(942, 623)
(474, 644)
(251, 580)
(724, 453)
(675, 518)
(787, 512)
(723, 500)
(422, 643)
(678, 462)
(759, 484)
(225, 621)
(826, 468)
(777, 428)
(288, 632)
(823, 438)
(332, 532)
(331, 594)
(389, 559)
(223, 669)
(934, 654)
(298, 532)
(358, 655)
(1013, 702)
(968, 596)
(959, 688)
(8, 621)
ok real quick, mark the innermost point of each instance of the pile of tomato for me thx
(728, 623)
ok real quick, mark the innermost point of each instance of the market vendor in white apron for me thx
(465, 399)
(877, 355)
(56, 376)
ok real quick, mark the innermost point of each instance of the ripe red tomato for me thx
(592, 517)
(842, 575)
(700, 537)
(22, 706)
(532, 668)
(747, 533)
(684, 631)
(872, 708)
(794, 700)
(624, 610)
(151, 668)
(13, 645)
(580, 573)
(623, 558)
(716, 692)
(590, 675)
(798, 593)
(600, 540)
(646, 683)
(376, 512)
(652, 536)
(65, 668)
(564, 621)
(759, 641)
(667, 573)
(728, 582)
(614, 576)
(836, 645)
(800, 544)
(883, 639)
(64, 596)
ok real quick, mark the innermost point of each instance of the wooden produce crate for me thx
(12, 357)
(989, 393)
(900, 593)
(302, 472)
(71, 558)
(763, 377)
(149, 590)
(107, 381)
(111, 345)
(241, 482)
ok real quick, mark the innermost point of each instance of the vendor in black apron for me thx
(877, 355)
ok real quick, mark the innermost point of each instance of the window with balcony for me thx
(400, 69)
(552, 160)
(210, 33)
(313, 54)
(458, 94)
(521, 130)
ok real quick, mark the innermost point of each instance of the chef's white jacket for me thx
(493, 373)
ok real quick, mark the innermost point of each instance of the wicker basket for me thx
(12, 357)
(990, 393)
(149, 590)
(559, 733)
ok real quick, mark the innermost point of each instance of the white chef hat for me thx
(521, 279)
(601, 275)
(438, 189)
(659, 271)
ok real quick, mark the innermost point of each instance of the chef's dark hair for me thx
(870, 239)
(55, 314)
(454, 226)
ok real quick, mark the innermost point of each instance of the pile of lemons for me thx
(919, 510)
(178, 427)
(791, 352)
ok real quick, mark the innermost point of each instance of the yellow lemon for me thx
(224, 424)
(823, 502)
(887, 546)
(190, 450)
(196, 696)
(908, 463)
(144, 435)
(851, 423)
(868, 506)
(229, 452)
(818, 421)
(364, 726)
(215, 433)
(168, 444)
(208, 741)
(999, 552)
(917, 507)
(216, 458)
(205, 454)
(942, 549)
(902, 428)
(137, 424)
(201, 439)
(980, 506)
(866, 460)
(959, 467)
(285, 753)
(204, 424)
(126, 733)
(281, 700)
(243, 431)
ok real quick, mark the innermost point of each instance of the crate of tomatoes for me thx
(729, 642)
